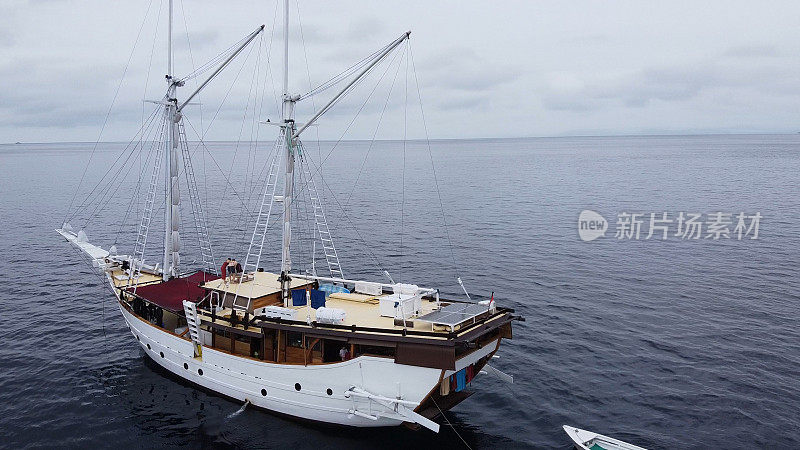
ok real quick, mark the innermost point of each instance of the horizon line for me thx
(563, 136)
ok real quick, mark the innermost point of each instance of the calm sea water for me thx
(666, 344)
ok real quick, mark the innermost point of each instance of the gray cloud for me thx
(680, 83)
(754, 51)
(528, 68)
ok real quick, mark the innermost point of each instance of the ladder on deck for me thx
(253, 258)
(147, 216)
(321, 230)
(193, 323)
(200, 224)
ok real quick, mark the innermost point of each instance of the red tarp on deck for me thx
(171, 294)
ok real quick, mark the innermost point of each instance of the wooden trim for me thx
(435, 388)
(234, 330)
(309, 349)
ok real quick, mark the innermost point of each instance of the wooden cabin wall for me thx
(269, 345)
(267, 300)
(241, 345)
(281, 346)
(273, 299)
(222, 342)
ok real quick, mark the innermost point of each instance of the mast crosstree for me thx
(291, 145)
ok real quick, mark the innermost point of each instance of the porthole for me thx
(137, 337)
(329, 391)
(185, 366)
(148, 346)
(200, 372)
(264, 392)
(161, 353)
(297, 386)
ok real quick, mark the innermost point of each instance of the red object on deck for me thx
(171, 294)
(224, 268)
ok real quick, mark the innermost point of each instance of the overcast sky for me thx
(485, 69)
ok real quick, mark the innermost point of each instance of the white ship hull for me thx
(274, 386)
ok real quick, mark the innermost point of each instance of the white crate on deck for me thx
(331, 315)
(407, 289)
(369, 288)
(400, 306)
(277, 312)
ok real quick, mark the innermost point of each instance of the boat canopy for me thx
(171, 294)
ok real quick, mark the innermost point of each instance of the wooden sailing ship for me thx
(324, 348)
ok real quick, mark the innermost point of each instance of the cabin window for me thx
(316, 347)
(331, 348)
(256, 348)
(374, 350)
(294, 339)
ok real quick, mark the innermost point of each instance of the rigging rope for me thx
(214, 61)
(318, 168)
(146, 85)
(433, 166)
(87, 201)
(135, 195)
(108, 113)
(448, 422)
(107, 194)
(344, 213)
(344, 74)
(403, 176)
(338, 141)
(374, 135)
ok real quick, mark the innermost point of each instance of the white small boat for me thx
(592, 441)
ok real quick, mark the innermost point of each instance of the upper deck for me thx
(377, 310)
(414, 316)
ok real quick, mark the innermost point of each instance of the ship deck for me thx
(361, 310)
(262, 284)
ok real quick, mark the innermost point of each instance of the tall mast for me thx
(288, 131)
(172, 195)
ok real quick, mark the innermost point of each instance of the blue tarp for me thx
(317, 298)
(298, 297)
(331, 288)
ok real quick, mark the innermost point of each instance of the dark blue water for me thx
(666, 344)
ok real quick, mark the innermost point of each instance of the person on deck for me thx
(231, 269)
(224, 268)
(235, 270)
